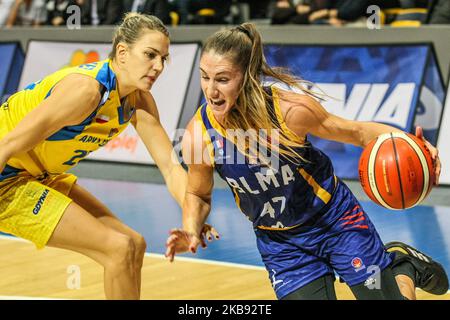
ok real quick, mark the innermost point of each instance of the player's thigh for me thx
(79, 231)
(356, 251)
(102, 213)
(32, 210)
(290, 267)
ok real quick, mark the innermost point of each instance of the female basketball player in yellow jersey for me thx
(308, 225)
(52, 124)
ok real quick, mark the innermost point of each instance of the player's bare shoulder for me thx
(86, 86)
(300, 111)
(145, 101)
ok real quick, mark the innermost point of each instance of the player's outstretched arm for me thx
(306, 115)
(148, 126)
(197, 202)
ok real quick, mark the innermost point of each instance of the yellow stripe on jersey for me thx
(216, 125)
(323, 194)
(276, 105)
(277, 229)
(237, 199)
(205, 135)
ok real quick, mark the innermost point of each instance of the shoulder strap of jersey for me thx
(201, 117)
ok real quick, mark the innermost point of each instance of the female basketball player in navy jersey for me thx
(307, 223)
(51, 125)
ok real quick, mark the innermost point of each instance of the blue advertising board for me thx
(398, 85)
(12, 58)
(431, 100)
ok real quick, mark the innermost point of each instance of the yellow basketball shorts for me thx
(31, 208)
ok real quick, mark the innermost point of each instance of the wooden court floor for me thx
(59, 274)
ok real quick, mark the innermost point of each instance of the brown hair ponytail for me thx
(243, 46)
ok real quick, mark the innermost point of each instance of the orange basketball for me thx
(396, 170)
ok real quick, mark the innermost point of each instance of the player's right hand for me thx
(209, 233)
(180, 241)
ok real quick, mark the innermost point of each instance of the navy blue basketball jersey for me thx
(278, 198)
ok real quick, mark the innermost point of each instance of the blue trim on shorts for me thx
(9, 172)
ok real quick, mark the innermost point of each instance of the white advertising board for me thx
(169, 90)
(443, 143)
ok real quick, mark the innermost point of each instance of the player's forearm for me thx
(5, 151)
(176, 183)
(23, 138)
(368, 131)
(4, 157)
(195, 212)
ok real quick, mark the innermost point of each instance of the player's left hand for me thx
(434, 154)
(180, 241)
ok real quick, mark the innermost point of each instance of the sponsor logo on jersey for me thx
(90, 139)
(40, 202)
(113, 132)
(357, 263)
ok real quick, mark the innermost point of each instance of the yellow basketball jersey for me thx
(68, 146)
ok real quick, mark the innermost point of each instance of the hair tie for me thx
(243, 30)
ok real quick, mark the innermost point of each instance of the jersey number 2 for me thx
(79, 154)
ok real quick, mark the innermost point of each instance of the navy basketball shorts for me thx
(343, 240)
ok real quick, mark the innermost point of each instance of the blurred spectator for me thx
(331, 12)
(57, 14)
(439, 12)
(414, 3)
(100, 12)
(295, 11)
(199, 9)
(202, 11)
(27, 13)
(341, 12)
(258, 8)
(181, 7)
(410, 13)
(159, 8)
(5, 8)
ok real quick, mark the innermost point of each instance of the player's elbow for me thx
(90, 93)
(195, 197)
(6, 149)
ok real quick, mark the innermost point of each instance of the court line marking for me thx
(159, 256)
(206, 261)
(30, 298)
(186, 259)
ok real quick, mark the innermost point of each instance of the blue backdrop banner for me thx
(431, 100)
(379, 83)
(12, 59)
